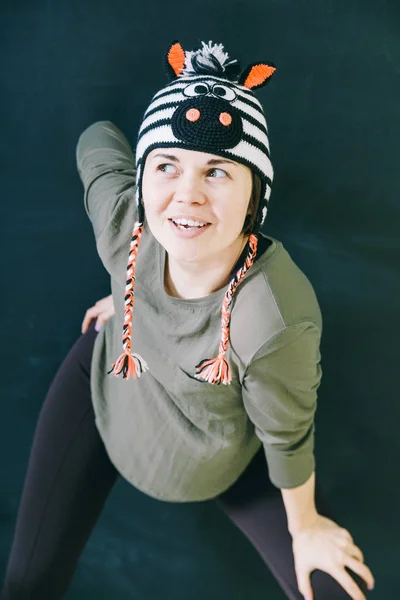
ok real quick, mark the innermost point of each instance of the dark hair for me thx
(254, 205)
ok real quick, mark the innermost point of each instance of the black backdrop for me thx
(332, 110)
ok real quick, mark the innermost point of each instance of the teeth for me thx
(188, 222)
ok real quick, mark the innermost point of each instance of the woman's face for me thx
(206, 187)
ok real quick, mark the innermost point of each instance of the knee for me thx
(327, 588)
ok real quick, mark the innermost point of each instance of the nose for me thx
(188, 189)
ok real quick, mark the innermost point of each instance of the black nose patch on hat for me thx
(208, 122)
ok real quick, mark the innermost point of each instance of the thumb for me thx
(304, 585)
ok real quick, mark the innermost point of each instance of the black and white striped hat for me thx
(208, 106)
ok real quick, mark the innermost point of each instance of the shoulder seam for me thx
(272, 337)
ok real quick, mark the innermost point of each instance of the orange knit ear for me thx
(257, 75)
(176, 58)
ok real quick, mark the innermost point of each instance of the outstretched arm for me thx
(280, 395)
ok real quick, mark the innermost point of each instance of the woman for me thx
(203, 179)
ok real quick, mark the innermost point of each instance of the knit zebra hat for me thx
(208, 106)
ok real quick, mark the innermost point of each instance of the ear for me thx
(257, 75)
(175, 60)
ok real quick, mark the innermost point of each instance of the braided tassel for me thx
(129, 364)
(218, 370)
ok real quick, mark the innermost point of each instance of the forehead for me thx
(184, 155)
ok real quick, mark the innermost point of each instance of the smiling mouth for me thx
(189, 226)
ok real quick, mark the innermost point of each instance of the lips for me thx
(190, 219)
(188, 232)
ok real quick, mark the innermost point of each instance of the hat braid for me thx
(218, 370)
(131, 365)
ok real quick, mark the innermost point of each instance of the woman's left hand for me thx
(325, 546)
(101, 311)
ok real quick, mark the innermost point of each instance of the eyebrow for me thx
(212, 161)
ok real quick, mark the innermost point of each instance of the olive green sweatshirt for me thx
(172, 436)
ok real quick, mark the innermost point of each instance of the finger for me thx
(350, 550)
(346, 535)
(348, 584)
(355, 552)
(361, 570)
(100, 322)
(105, 316)
(91, 311)
(86, 323)
(90, 314)
(304, 585)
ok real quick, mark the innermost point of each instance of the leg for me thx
(256, 507)
(68, 480)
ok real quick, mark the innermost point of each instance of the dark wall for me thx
(332, 110)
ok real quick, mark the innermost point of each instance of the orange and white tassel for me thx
(215, 370)
(130, 365)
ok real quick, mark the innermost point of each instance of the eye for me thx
(196, 89)
(223, 91)
(161, 167)
(220, 170)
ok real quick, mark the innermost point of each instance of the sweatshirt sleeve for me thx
(280, 397)
(106, 166)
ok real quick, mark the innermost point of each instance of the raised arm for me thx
(106, 165)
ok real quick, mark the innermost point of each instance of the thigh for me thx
(256, 507)
(68, 479)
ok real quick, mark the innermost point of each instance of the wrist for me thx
(306, 522)
(300, 506)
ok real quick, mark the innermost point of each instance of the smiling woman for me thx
(244, 315)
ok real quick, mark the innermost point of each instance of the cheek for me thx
(154, 205)
(228, 224)
(149, 187)
(232, 212)
(148, 193)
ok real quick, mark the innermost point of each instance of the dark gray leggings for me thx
(70, 476)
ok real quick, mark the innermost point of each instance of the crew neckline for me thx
(218, 295)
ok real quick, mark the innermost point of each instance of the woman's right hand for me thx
(101, 311)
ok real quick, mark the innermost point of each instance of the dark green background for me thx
(333, 114)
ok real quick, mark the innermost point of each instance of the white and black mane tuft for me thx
(211, 60)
